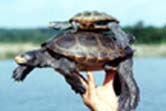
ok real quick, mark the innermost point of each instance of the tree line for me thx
(143, 34)
(147, 34)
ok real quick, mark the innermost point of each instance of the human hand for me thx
(100, 98)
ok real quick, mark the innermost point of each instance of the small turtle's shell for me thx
(93, 17)
(88, 48)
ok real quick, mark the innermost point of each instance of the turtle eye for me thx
(26, 57)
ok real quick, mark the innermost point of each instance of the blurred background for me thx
(24, 26)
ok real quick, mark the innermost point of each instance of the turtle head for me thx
(28, 58)
(52, 24)
(60, 25)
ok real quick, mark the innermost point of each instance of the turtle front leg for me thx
(74, 80)
(20, 73)
(75, 26)
(68, 69)
(130, 96)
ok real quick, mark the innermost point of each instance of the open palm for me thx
(100, 98)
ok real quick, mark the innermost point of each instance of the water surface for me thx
(45, 90)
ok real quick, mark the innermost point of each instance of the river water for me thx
(45, 90)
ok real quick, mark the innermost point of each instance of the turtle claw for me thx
(20, 73)
(17, 75)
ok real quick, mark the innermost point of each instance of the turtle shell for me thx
(93, 17)
(88, 48)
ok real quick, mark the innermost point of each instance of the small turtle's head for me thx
(52, 24)
(60, 25)
(28, 58)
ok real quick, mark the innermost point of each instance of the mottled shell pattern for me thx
(93, 17)
(86, 47)
(93, 20)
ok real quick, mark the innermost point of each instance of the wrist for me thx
(101, 107)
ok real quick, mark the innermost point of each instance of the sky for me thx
(38, 13)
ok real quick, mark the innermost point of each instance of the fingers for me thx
(90, 85)
(91, 80)
(83, 81)
(89, 94)
(91, 89)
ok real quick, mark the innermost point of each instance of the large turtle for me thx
(70, 53)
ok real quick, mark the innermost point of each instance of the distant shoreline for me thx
(9, 50)
(152, 50)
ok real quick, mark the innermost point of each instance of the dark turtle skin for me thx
(70, 53)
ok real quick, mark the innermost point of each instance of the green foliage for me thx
(147, 34)
(143, 34)
(25, 35)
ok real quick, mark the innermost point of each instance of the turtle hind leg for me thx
(124, 97)
(130, 91)
(120, 35)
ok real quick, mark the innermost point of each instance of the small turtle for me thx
(86, 21)
(70, 53)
